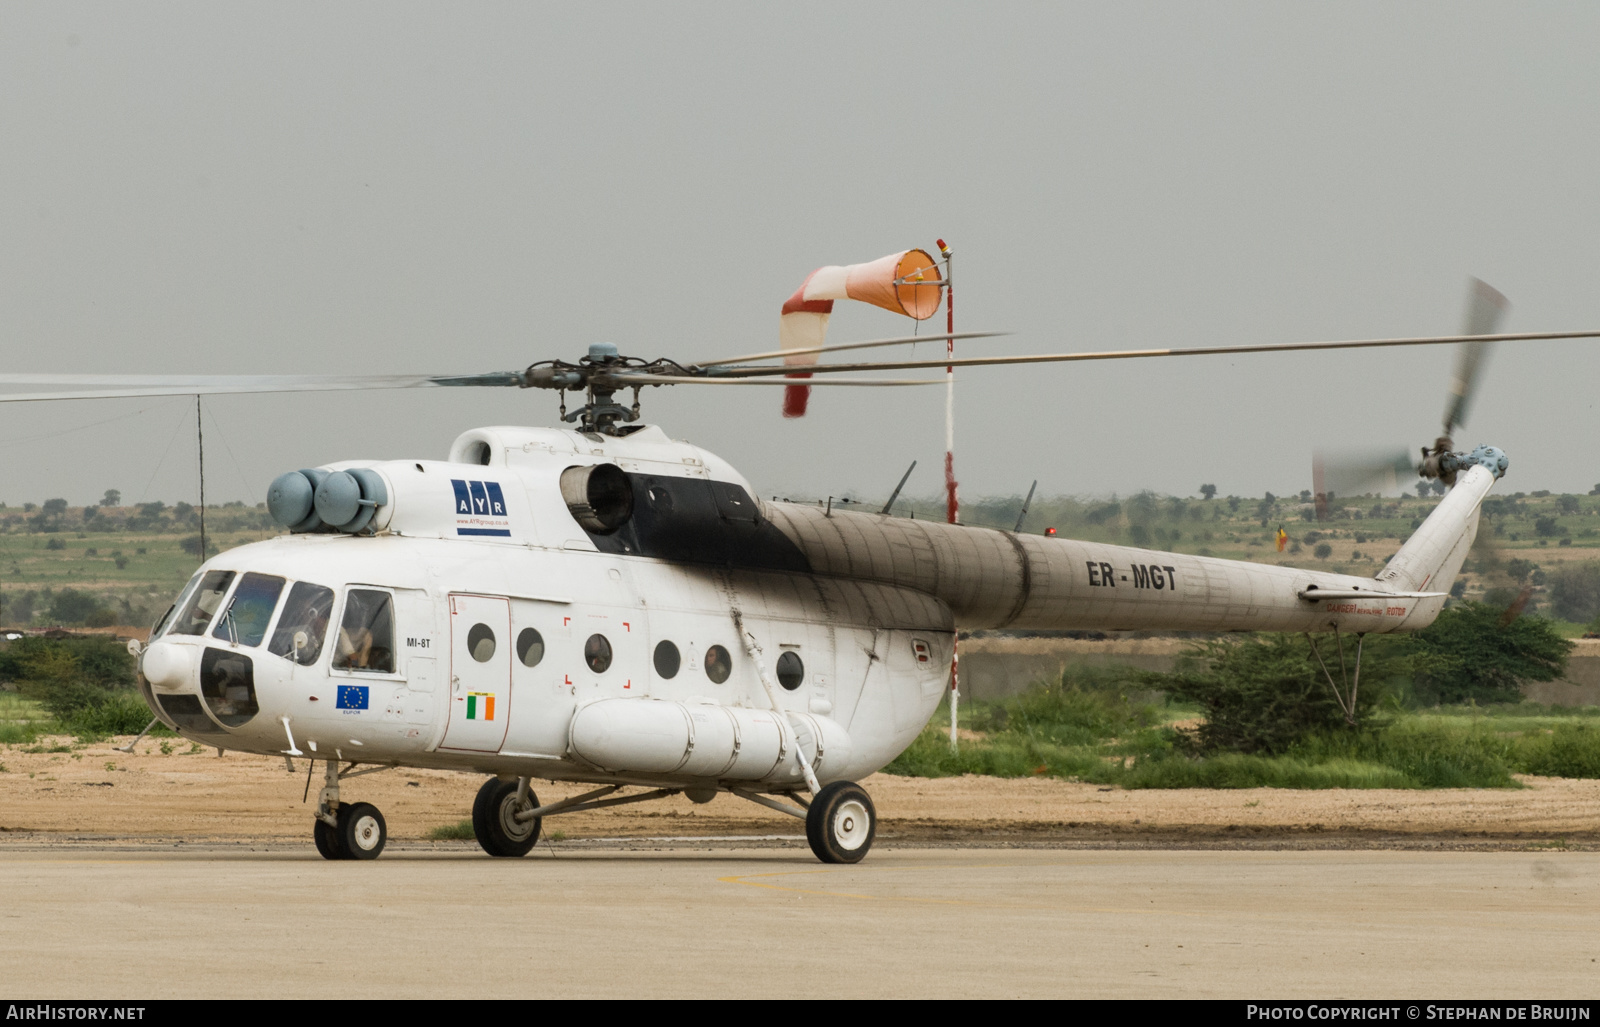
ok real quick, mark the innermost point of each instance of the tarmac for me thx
(683, 918)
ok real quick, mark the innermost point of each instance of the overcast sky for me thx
(262, 188)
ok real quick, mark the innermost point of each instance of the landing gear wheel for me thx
(361, 831)
(841, 823)
(494, 819)
(327, 839)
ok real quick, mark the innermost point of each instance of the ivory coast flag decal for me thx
(480, 705)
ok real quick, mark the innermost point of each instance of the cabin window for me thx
(530, 647)
(480, 643)
(244, 621)
(366, 635)
(597, 653)
(304, 623)
(194, 617)
(791, 670)
(718, 664)
(667, 659)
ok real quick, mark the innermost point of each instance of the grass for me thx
(461, 831)
(1092, 731)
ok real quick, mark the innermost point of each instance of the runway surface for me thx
(126, 922)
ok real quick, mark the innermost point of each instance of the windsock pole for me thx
(952, 505)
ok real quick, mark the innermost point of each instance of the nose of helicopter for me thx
(167, 664)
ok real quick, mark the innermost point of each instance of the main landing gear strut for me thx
(840, 819)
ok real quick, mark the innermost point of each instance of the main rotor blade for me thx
(869, 344)
(661, 379)
(1485, 307)
(124, 386)
(1129, 354)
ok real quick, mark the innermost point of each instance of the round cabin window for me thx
(530, 647)
(791, 671)
(480, 643)
(597, 653)
(718, 664)
(667, 659)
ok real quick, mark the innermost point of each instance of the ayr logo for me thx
(480, 508)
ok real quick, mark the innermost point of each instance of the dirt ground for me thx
(98, 793)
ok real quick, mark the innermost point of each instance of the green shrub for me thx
(67, 675)
(1263, 694)
(1471, 653)
(1570, 750)
(119, 713)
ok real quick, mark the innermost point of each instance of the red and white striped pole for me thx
(952, 506)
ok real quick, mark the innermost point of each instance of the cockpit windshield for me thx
(244, 622)
(166, 618)
(195, 615)
(304, 623)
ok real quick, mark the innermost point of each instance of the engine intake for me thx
(600, 497)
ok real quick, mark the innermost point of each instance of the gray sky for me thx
(215, 188)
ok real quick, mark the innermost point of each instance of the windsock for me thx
(907, 283)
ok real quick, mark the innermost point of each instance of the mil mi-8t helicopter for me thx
(604, 604)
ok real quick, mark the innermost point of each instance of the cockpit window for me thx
(166, 618)
(366, 637)
(244, 621)
(195, 616)
(304, 623)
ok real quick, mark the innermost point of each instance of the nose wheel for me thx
(841, 823)
(358, 833)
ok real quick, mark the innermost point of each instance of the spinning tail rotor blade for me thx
(1358, 472)
(1485, 309)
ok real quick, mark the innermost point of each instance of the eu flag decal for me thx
(352, 697)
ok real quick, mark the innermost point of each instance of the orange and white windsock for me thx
(907, 283)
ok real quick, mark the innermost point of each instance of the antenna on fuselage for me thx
(896, 493)
(1025, 504)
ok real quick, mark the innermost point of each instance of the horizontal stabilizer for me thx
(1313, 594)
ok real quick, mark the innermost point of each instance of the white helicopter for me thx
(604, 604)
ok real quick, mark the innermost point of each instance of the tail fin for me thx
(1433, 555)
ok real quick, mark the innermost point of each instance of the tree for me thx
(111, 498)
(1546, 526)
(1208, 491)
(69, 606)
(1265, 693)
(1472, 652)
(191, 545)
(1423, 488)
(1568, 504)
(55, 507)
(1574, 591)
(1323, 551)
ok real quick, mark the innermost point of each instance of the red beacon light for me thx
(1050, 532)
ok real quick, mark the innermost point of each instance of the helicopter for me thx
(602, 604)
